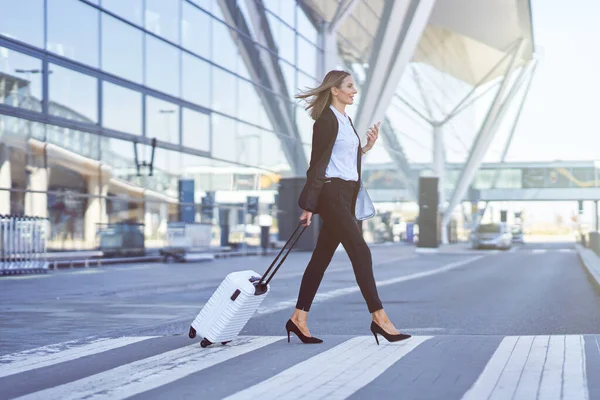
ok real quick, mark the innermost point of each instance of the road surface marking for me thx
(534, 367)
(565, 250)
(153, 372)
(334, 374)
(320, 297)
(539, 251)
(57, 353)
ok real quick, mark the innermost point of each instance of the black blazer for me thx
(325, 131)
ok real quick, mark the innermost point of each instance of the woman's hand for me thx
(372, 135)
(305, 217)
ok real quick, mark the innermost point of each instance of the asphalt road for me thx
(462, 306)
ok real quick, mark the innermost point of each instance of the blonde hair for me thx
(321, 96)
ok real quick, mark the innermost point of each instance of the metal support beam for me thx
(263, 67)
(396, 153)
(516, 121)
(484, 137)
(329, 58)
(400, 29)
(344, 9)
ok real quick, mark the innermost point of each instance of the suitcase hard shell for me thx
(236, 299)
(229, 308)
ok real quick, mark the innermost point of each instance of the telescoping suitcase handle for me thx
(261, 285)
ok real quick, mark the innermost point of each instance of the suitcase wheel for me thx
(224, 343)
(192, 333)
(205, 343)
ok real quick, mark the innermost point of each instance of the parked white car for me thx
(496, 236)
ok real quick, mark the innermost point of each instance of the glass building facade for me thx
(85, 86)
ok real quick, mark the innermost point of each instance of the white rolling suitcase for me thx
(235, 301)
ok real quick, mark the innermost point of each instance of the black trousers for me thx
(339, 225)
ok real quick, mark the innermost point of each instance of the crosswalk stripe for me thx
(539, 251)
(150, 373)
(540, 367)
(336, 373)
(53, 354)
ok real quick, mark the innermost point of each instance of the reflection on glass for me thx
(195, 30)
(121, 49)
(206, 4)
(162, 18)
(196, 130)
(14, 130)
(285, 38)
(73, 30)
(162, 66)
(196, 80)
(73, 95)
(248, 102)
(11, 21)
(307, 57)
(283, 9)
(130, 9)
(20, 80)
(222, 146)
(121, 109)
(225, 53)
(224, 92)
(82, 143)
(162, 120)
(305, 124)
(289, 74)
(306, 28)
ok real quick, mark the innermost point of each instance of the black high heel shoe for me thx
(376, 329)
(291, 327)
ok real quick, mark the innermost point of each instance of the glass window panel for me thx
(195, 30)
(73, 95)
(82, 143)
(248, 102)
(196, 130)
(289, 74)
(222, 142)
(283, 9)
(271, 154)
(284, 38)
(227, 51)
(307, 57)
(20, 80)
(73, 30)
(306, 28)
(305, 82)
(224, 92)
(121, 49)
(12, 21)
(162, 66)
(129, 9)
(206, 4)
(162, 120)
(121, 109)
(305, 124)
(196, 80)
(162, 18)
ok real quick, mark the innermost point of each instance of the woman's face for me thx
(345, 93)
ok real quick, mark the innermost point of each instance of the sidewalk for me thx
(590, 261)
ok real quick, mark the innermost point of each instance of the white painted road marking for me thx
(539, 251)
(334, 374)
(321, 297)
(534, 367)
(150, 373)
(49, 355)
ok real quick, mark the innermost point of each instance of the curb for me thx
(590, 261)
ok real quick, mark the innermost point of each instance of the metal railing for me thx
(23, 244)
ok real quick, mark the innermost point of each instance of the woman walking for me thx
(333, 181)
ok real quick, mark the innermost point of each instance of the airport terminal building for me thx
(117, 111)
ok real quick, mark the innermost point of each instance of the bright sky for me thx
(560, 119)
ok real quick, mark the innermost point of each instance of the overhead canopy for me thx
(464, 38)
